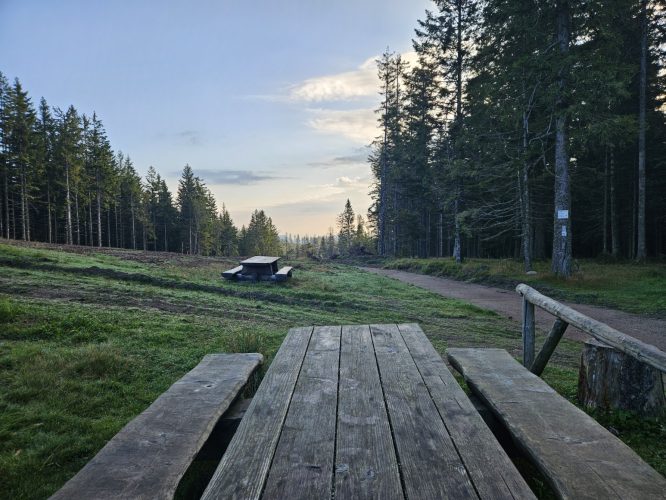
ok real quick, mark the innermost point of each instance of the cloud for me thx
(237, 177)
(359, 125)
(349, 182)
(192, 137)
(361, 82)
(349, 85)
(360, 156)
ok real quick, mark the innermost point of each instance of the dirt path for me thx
(508, 304)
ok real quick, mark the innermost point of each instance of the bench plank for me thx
(302, 467)
(577, 455)
(231, 273)
(421, 439)
(149, 456)
(366, 464)
(491, 470)
(283, 274)
(243, 469)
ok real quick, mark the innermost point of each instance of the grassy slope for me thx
(630, 287)
(87, 341)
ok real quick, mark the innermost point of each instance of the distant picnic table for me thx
(258, 268)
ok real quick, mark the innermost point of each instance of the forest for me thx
(63, 183)
(525, 129)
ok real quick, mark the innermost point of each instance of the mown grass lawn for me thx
(628, 286)
(88, 340)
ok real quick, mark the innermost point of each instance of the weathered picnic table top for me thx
(362, 412)
(259, 259)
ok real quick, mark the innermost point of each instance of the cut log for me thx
(611, 379)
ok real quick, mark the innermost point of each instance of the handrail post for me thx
(528, 333)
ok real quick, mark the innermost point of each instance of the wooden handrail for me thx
(646, 353)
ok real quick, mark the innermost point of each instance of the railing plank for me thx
(646, 353)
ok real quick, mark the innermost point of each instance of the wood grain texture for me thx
(366, 466)
(578, 456)
(244, 467)
(149, 456)
(529, 332)
(430, 465)
(490, 469)
(302, 466)
(640, 350)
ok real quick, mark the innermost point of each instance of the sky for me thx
(270, 102)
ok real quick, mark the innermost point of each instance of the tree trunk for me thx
(525, 202)
(604, 218)
(108, 226)
(48, 209)
(99, 211)
(70, 239)
(24, 204)
(78, 222)
(640, 243)
(133, 225)
(610, 379)
(615, 230)
(457, 247)
(561, 265)
(90, 221)
(6, 204)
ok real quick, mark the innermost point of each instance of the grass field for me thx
(88, 340)
(631, 287)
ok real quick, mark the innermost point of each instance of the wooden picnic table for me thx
(362, 412)
(260, 265)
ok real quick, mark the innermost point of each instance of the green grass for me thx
(88, 340)
(637, 288)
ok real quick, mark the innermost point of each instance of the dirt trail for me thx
(508, 304)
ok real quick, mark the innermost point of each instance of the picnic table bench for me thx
(150, 455)
(578, 456)
(259, 268)
(362, 412)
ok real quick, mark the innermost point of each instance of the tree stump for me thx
(610, 379)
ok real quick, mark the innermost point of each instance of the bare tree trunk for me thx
(440, 234)
(99, 213)
(604, 218)
(640, 244)
(561, 265)
(6, 204)
(615, 230)
(108, 226)
(78, 222)
(70, 239)
(166, 245)
(48, 209)
(525, 202)
(90, 221)
(457, 247)
(133, 225)
(24, 204)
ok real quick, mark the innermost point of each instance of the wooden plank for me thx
(430, 465)
(489, 467)
(640, 350)
(529, 332)
(283, 274)
(149, 456)
(578, 456)
(244, 466)
(231, 273)
(302, 467)
(365, 464)
(554, 336)
(260, 259)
